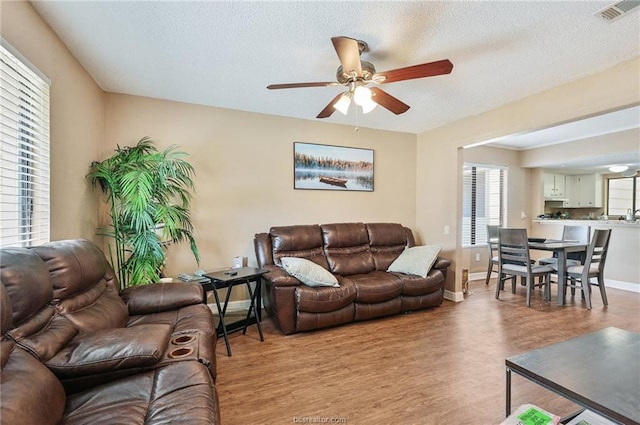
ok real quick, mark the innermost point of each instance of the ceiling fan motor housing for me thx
(367, 73)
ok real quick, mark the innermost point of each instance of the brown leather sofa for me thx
(358, 255)
(76, 351)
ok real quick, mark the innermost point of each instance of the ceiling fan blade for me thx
(349, 54)
(385, 100)
(298, 85)
(329, 109)
(416, 71)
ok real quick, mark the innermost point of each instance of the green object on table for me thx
(534, 417)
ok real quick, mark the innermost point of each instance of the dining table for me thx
(561, 248)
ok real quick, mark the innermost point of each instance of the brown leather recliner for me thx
(150, 359)
(358, 255)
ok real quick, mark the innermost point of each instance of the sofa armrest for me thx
(441, 263)
(279, 276)
(160, 297)
(111, 350)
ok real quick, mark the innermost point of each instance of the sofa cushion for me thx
(308, 272)
(326, 298)
(31, 394)
(346, 246)
(413, 285)
(26, 279)
(303, 241)
(376, 287)
(178, 393)
(84, 289)
(416, 260)
(387, 241)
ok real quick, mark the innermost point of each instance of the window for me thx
(24, 152)
(483, 201)
(623, 194)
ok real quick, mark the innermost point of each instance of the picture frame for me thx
(330, 167)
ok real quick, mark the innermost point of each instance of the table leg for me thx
(221, 312)
(562, 275)
(252, 307)
(508, 401)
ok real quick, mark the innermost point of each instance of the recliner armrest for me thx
(441, 263)
(279, 276)
(159, 297)
(110, 350)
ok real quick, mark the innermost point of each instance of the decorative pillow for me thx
(308, 272)
(416, 260)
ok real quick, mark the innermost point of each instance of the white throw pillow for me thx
(308, 272)
(416, 260)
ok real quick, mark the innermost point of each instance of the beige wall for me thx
(438, 194)
(244, 166)
(77, 118)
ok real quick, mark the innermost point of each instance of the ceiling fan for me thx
(357, 74)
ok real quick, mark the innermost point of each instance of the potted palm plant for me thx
(148, 195)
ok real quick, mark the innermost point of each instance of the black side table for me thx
(229, 279)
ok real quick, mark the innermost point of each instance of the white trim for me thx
(24, 61)
(233, 306)
(453, 296)
(619, 284)
(609, 283)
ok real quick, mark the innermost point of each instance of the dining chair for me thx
(514, 260)
(593, 268)
(570, 233)
(492, 244)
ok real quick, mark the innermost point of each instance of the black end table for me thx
(231, 278)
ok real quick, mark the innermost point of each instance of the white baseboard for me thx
(625, 286)
(242, 305)
(453, 296)
(609, 283)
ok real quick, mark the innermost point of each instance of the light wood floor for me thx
(438, 366)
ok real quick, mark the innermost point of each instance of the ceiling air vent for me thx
(617, 10)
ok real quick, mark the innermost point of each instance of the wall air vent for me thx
(617, 10)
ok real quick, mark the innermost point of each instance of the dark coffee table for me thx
(599, 371)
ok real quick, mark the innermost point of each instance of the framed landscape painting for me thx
(327, 167)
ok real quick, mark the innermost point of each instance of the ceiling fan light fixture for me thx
(343, 103)
(361, 95)
(368, 106)
(618, 168)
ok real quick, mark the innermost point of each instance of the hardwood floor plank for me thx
(438, 366)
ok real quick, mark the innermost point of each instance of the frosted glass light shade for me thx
(343, 103)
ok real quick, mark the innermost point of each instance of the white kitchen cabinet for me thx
(554, 185)
(584, 191)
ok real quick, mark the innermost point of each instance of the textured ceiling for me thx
(225, 53)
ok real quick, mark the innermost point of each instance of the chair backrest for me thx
(576, 233)
(513, 247)
(492, 238)
(579, 234)
(597, 251)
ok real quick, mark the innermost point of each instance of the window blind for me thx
(483, 201)
(24, 152)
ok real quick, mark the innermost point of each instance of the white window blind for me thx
(483, 201)
(24, 152)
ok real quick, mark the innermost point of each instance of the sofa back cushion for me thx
(85, 290)
(346, 247)
(32, 322)
(387, 241)
(303, 241)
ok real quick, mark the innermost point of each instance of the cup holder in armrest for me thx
(180, 352)
(183, 339)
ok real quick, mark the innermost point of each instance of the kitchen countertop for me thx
(594, 222)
